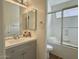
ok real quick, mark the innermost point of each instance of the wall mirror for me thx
(11, 19)
(32, 19)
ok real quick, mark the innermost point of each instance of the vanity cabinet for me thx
(23, 51)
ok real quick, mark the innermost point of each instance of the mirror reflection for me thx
(12, 17)
(32, 19)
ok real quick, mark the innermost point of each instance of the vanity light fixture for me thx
(19, 3)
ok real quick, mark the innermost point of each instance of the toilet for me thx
(49, 49)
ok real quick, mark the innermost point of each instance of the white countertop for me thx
(15, 42)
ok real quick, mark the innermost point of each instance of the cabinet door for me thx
(17, 55)
(11, 57)
(30, 53)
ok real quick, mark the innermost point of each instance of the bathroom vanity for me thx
(21, 48)
(16, 22)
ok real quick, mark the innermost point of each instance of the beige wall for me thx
(1, 31)
(41, 16)
(40, 32)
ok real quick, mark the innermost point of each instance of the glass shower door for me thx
(54, 27)
(70, 27)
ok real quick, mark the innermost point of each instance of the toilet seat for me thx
(49, 47)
